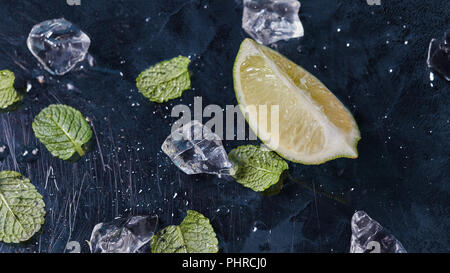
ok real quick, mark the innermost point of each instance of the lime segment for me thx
(290, 110)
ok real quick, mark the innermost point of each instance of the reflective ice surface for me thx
(123, 235)
(58, 45)
(369, 236)
(268, 21)
(439, 56)
(195, 149)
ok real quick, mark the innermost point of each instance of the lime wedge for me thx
(290, 110)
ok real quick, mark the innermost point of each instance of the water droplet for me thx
(29, 154)
(4, 151)
(222, 210)
(29, 86)
(259, 225)
(40, 79)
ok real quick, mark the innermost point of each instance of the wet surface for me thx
(372, 57)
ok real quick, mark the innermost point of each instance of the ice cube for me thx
(195, 149)
(123, 235)
(439, 56)
(268, 21)
(368, 236)
(58, 45)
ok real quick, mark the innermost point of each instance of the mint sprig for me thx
(8, 94)
(21, 208)
(165, 80)
(63, 130)
(257, 168)
(194, 235)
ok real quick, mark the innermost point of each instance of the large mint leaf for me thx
(256, 167)
(165, 80)
(194, 235)
(8, 95)
(63, 130)
(21, 208)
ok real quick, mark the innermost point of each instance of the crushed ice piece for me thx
(195, 149)
(123, 235)
(368, 236)
(439, 56)
(73, 247)
(268, 21)
(58, 45)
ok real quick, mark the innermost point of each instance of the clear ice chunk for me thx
(58, 45)
(268, 21)
(123, 235)
(195, 149)
(368, 236)
(439, 56)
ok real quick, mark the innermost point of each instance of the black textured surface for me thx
(401, 178)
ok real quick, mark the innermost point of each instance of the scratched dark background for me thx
(400, 179)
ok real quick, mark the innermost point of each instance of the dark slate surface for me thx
(401, 178)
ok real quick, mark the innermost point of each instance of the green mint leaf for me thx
(63, 130)
(21, 208)
(194, 235)
(256, 167)
(8, 95)
(165, 80)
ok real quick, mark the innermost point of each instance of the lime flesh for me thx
(312, 126)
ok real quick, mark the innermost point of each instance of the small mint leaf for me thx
(8, 95)
(22, 209)
(194, 235)
(165, 80)
(257, 168)
(63, 130)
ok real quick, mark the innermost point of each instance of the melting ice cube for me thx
(195, 149)
(123, 235)
(58, 45)
(368, 236)
(439, 56)
(268, 21)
